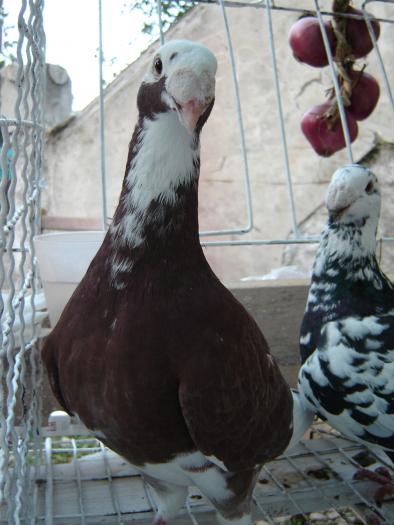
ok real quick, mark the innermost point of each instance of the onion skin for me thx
(306, 41)
(365, 95)
(324, 137)
(357, 34)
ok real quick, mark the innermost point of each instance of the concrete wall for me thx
(72, 153)
(58, 100)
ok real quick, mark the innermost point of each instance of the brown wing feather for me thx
(49, 360)
(234, 399)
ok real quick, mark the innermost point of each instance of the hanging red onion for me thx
(357, 34)
(365, 95)
(306, 41)
(325, 136)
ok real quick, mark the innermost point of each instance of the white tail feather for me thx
(302, 420)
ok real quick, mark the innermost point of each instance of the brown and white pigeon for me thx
(152, 352)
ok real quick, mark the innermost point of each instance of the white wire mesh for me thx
(21, 162)
(315, 6)
(268, 6)
(89, 484)
(23, 499)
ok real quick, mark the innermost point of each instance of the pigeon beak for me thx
(190, 112)
(335, 214)
(192, 92)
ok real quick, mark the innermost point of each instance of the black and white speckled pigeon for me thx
(347, 334)
(152, 352)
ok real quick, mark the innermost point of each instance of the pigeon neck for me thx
(346, 282)
(347, 250)
(159, 199)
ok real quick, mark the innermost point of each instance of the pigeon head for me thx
(353, 197)
(180, 79)
(160, 190)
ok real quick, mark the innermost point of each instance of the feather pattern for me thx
(347, 334)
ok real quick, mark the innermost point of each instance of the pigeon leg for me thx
(381, 476)
(158, 521)
(246, 519)
(229, 492)
(169, 499)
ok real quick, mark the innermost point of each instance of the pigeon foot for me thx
(242, 520)
(159, 521)
(381, 476)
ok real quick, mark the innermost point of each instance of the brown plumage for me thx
(152, 351)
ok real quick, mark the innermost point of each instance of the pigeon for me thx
(152, 352)
(347, 333)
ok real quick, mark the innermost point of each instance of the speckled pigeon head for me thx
(181, 78)
(353, 195)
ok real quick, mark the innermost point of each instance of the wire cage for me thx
(20, 370)
(67, 476)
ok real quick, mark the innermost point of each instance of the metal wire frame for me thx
(292, 9)
(73, 453)
(368, 504)
(278, 496)
(246, 178)
(268, 6)
(376, 47)
(103, 180)
(19, 224)
(19, 221)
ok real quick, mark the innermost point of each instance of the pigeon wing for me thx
(350, 377)
(236, 405)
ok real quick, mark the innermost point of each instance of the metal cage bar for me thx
(20, 185)
(246, 178)
(84, 483)
(275, 74)
(21, 175)
(269, 6)
(376, 47)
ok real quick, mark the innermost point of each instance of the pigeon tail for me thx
(302, 420)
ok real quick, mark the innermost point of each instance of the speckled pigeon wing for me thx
(350, 377)
(236, 404)
(309, 332)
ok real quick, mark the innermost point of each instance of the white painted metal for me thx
(334, 78)
(236, 230)
(21, 162)
(246, 179)
(34, 488)
(268, 8)
(103, 179)
(88, 483)
(376, 47)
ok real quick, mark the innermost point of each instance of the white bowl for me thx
(63, 259)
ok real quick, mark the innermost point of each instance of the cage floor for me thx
(81, 481)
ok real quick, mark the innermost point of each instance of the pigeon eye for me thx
(369, 188)
(158, 64)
